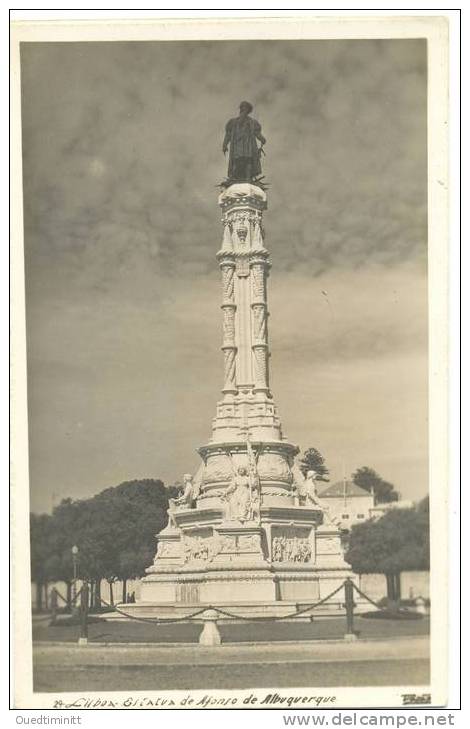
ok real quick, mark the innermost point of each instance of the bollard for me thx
(210, 633)
(350, 635)
(54, 604)
(83, 639)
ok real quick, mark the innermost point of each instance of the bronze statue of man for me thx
(241, 133)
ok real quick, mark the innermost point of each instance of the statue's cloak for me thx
(242, 134)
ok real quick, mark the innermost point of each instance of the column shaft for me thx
(229, 309)
(260, 324)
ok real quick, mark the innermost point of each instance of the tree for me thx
(368, 479)
(396, 542)
(114, 531)
(40, 530)
(174, 490)
(423, 507)
(118, 539)
(64, 534)
(312, 460)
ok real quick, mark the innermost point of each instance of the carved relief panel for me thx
(199, 548)
(168, 549)
(291, 545)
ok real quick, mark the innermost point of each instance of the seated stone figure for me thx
(186, 498)
(311, 492)
(308, 496)
(306, 487)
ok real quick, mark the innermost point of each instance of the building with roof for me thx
(347, 503)
(381, 509)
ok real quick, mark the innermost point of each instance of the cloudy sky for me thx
(122, 153)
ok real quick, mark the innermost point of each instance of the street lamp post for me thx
(75, 563)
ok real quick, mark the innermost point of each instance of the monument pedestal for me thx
(265, 568)
(249, 534)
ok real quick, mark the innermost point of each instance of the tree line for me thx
(114, 532)
(395, 543)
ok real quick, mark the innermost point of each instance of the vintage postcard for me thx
(229, 364)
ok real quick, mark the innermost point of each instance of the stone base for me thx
(210, 587)
(278, 556)
(250, 592)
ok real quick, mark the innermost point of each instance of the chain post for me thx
(350, 635)
(54, 605)
(83, 639)
(210, 633)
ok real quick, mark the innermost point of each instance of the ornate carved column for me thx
(260, 347)
(245, 301)
(247, 405)
(227, 266)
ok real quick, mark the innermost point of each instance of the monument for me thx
(249, 532)
(241, 133)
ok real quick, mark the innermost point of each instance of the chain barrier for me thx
(281, 617)
(157, 620)
(228, 614)
(369, 599)
(382, 609)
(166, 621)
(74, 599)
(64, 600)
(247, 618)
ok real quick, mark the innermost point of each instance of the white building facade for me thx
(347, 503)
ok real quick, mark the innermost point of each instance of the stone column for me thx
(260, 347)
(245, 303)
(227, 266)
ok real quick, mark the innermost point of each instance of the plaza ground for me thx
(124, 631)
(139, 656)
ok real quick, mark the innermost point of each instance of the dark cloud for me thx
(122, 153)
(115, 133)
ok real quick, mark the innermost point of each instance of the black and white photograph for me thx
(230, 261)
